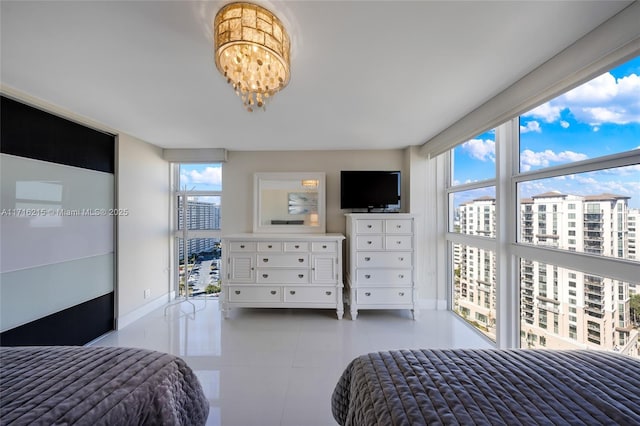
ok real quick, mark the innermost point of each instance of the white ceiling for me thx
(365, 74)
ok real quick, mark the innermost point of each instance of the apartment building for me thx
(560, 308)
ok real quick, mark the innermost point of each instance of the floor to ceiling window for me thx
(571, 199)
(472, 199)
(197, 202)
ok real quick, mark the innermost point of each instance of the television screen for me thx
(367, 189)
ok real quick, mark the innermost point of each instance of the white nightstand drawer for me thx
(269, 246)
(391, 296)
(242, 246)
(255, 294)
(283, 260)
(398, 226)
(369, 226)
(311, 294)
(374, 259)
(391, 277)
(369, 242)
(398, 242)
(324, 247)
(296, 246)
(283, 276)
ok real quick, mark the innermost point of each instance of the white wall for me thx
(237, 204)
(143, 188)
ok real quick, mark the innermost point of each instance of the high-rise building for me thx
(560, 308)
(201, 215)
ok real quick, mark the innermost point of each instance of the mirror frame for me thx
(260, 179)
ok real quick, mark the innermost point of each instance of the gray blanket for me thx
(498, 387)
(98, 386)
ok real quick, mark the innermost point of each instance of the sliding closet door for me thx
(57, 229)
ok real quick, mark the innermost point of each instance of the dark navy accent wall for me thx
(73, 326)
(32, 133)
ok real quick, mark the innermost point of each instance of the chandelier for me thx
(252, 52)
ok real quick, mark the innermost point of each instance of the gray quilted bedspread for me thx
(497, 387)
(97, 386)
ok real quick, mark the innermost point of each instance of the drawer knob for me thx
(401, 293)
(265, 275)
(237, 291)
(369, 226)
(300, 260)
(367, 294)
(241, 245)
(265, 259)
(292, 292)
(398, 226)
(401, 259)
(273, 292)
(297, 246)
(300, 275)
(400, 276)
(369, 242)
(324, 246)
(366, 259)
(367, 276)
(270, 246)
(398, 242)
(328, 293)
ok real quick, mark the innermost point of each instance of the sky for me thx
(600, 117)
(201, 177)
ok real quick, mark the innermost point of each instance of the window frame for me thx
(187, 234)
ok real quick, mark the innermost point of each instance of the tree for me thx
(634, 305)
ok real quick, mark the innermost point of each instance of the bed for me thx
(466, 386)
(98, 386)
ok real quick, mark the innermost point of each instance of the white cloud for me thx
(209, 176)
(530, 159)
(564, 124)
(546, 112)
(479, 149)
(604, 99)
(531, 126)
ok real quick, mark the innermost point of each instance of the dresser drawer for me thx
(311, 294)
(398, 226)
(369, 226)
(283, 276)
(242, 246)
(386, 296)
(255, 294)
(369, 242)
(374, 259)
(269, 246)
(324, 247)
(391, 277)
(283, 260)
(296, 246)
(398, 242)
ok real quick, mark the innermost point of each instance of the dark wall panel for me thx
(32, 133)
(75, 326)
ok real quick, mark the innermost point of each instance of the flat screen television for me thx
(369, 189)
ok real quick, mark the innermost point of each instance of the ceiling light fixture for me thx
(252, 52)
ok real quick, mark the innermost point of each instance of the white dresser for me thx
(381, 262)
(282, 271)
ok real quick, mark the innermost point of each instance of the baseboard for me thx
(135, 315)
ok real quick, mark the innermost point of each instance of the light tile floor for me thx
(279, 366)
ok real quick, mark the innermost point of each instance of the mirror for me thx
(289, 202)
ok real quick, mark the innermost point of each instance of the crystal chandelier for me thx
(252, 52)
